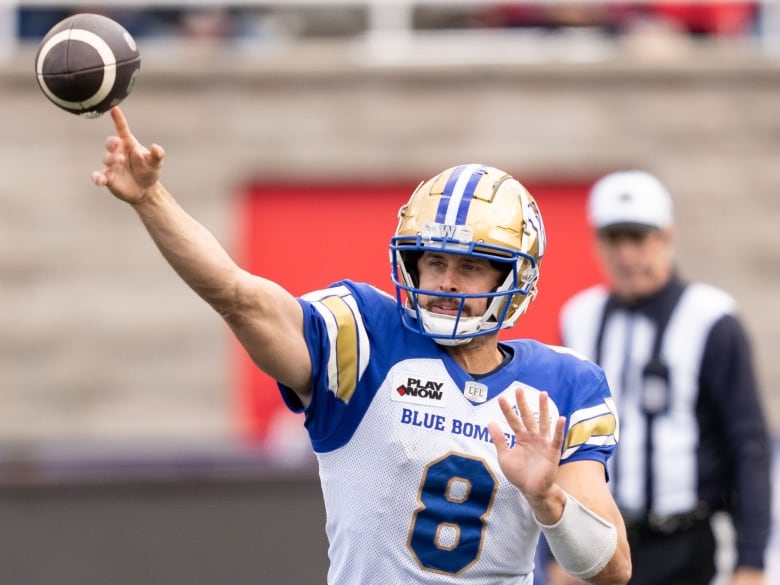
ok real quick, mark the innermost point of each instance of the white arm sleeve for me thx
(581, 541)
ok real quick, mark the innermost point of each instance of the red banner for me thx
(306, 236)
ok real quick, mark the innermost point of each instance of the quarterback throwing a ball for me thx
(443, 453)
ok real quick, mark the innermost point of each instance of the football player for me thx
(443, 453)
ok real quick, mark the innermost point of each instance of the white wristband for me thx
(581, 541)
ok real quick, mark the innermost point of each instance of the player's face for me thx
(454, 273)
(638, 262)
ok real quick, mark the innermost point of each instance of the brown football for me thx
(87, 64)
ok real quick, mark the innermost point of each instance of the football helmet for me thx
(478, 211)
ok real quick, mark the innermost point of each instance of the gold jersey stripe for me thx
(582, 432)
(345, 347)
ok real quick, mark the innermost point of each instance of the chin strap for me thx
(444, 325)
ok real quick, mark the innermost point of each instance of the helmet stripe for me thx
(458, 192)
(446, 194)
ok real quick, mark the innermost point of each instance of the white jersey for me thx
(413, 491)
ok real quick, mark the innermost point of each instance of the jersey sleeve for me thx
(583, 396)
(337, 336)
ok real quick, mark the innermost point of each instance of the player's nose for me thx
(449, 280)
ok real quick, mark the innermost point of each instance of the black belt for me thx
(658, 524)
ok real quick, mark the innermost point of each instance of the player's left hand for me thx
(532, 463)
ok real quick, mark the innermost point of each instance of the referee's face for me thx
(638, 261)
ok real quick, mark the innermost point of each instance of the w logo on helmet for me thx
(446, 236)
(448, 231)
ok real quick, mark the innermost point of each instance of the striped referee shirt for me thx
(695, 433)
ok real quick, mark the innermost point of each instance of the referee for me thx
(693, 438)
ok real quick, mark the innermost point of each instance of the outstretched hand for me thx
(532, 463)
(130, 168)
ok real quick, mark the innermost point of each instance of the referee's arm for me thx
(729, 390)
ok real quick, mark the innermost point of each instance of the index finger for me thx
(120, 123)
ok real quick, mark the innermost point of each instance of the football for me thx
(87, 64)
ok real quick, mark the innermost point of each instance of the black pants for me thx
(686, 557)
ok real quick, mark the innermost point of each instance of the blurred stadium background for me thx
(136, 444)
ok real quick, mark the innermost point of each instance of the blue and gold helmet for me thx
(473, 210)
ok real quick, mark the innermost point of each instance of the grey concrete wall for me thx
(100, 341)
(153, 527)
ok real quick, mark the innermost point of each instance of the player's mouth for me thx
(447, 308)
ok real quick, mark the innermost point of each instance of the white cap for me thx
(630, 199)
